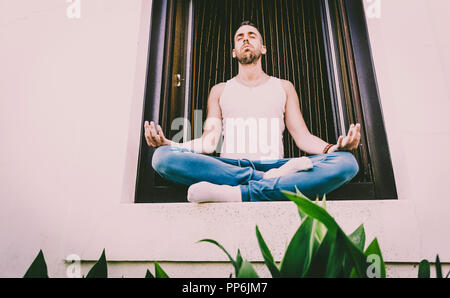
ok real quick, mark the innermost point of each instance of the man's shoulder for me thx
(218, 88)
(286, 83)
(219, 85)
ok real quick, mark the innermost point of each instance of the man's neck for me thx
(251, 73)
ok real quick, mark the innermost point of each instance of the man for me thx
(257, 171)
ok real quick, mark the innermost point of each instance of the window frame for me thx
(375, 130)
(383, 185)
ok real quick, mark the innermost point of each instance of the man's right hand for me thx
(155, 136)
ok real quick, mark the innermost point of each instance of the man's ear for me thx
(263, 50)
(234, 53)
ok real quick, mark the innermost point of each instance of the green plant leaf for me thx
(337, 255)
(148, 274)
(311, 209)
(267, 255)
(247, 271)
(424, 269)
(235, 264)
(299, 252)
(300, 212)
(324, 202)
(329, 259)
(374, 249)
(319, 260)
(438, 267)
(357, 257)
(358, 237)
(320, 229)
(37, 269)
(100, 269)
(239, 259)
(159, 272)
(318, 226)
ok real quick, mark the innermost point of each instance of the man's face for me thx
(248, 46)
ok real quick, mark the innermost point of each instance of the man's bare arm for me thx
(296, 125)
(212, 128)
(304, 140)
(207, 143)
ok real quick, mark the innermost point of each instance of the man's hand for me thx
(350, 142)
(154, 138)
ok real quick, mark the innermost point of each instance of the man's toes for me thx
(193, 191)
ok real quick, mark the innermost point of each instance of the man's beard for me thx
(249, 57)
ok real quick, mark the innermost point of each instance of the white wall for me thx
(411, 49)
(65, 93)
(70, 114)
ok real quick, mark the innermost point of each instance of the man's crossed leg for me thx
(213, 179)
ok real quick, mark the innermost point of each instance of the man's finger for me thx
(357, 132)
(358, 139)
(354, 133)
(355, 142)
(357, 129)
(351, 136)
(149, 141)
(339, 142)
(351, 130)
(148, 136)
(155, 135)
(151, 127)
(160, 132)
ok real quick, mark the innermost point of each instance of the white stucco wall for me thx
(411, 49)
(70, 113)
(65, 94)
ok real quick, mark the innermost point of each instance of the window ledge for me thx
(170, 232)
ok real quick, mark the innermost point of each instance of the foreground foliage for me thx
(319, 248)
(424, 269)
(38, 269)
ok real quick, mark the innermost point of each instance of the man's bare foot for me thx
(203, 192)
(292, 166)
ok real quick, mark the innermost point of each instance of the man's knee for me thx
(348, 165)
(161, 159)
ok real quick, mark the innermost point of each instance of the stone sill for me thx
(169, 232)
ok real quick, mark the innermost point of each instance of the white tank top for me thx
(253, 120)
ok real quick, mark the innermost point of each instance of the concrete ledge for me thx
(169, 232)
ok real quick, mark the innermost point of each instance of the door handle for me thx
(178, 80)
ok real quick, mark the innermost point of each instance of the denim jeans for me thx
(186, 167)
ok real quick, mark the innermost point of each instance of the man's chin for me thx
(248, 59)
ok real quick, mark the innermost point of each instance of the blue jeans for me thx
(186, 167)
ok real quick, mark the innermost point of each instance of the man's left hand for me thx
(350, 142)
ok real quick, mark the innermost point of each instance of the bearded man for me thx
(249, 110)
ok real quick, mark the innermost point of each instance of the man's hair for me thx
(249, 23)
